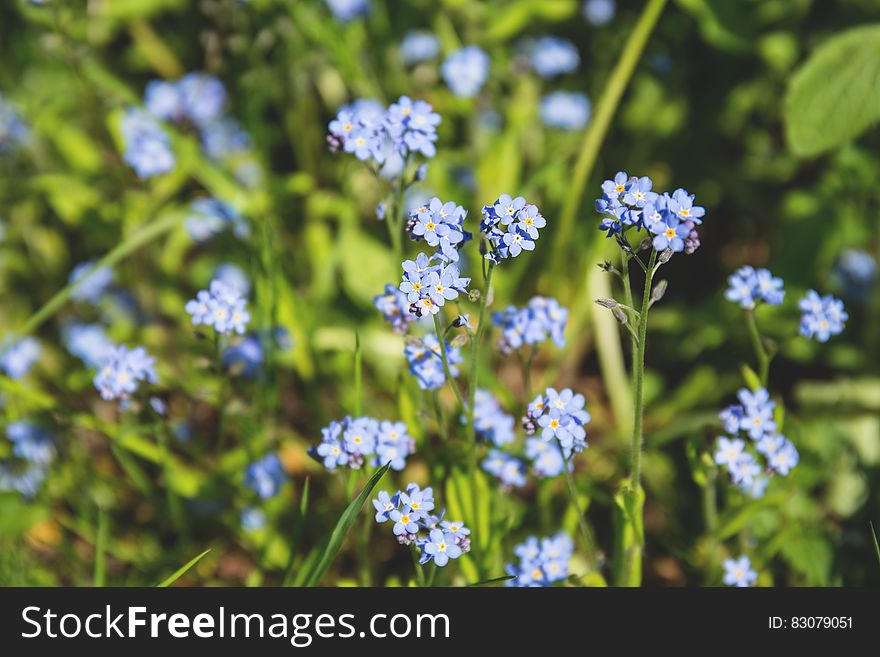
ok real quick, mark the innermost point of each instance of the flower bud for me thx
(607, 303)
(665, 256)
(619, 315)
(659, 290)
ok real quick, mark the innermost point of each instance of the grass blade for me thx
(358, 374)
(101, 549)
(182, 570)
(297, 534)
(346, 520)
(494, 580)
(876, 543)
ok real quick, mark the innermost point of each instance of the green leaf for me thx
(835, 95)
(494, 580)
(180, 572)
(346, 520)
(753, 381)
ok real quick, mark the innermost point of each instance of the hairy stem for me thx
(758, 345)
(445, 358)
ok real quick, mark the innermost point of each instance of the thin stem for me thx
(472, 395)
(589, 544)
(445, 358)
(432, 573)
(639, 379)
(710, 515)
(223, 391)
(758, 345)
(606, 108)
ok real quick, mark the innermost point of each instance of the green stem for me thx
(589, 544)
(601, 122)
(222, 393)
(710, 514)
(445, 358)
(758, 345)
(432, 573)
(639, 379)
(472, 395)
(145, 234)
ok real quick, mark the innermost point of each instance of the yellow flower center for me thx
(430, 225)
(670, 233)
(619, 188)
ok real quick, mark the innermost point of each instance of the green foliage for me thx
(835, 95)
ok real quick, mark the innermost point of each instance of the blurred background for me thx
(706, 109)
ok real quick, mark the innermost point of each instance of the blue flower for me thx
(542, 318)
(599, 12)
(394, 306)
(265, 476)
(552, 56)
(88, 342)
(738, 572)
(547, 458)
(425, 361)
(25, 479)
(17, 358)
(757, 418)
(749, 286)
(347, 10)
(465, 71)
(541, 563)
(90, 286)
(245, 358)
(509, 469)
(253, 519)
(732, 418)
(441, 547)
(404, 521)
(855, 272)
(13, 130)
(669, 234)
(508, 224)
(418, 47)
(822, 316)
(418, 500)
(455, 528)
(729, 451)
(203, 97)
(745, 470)
(784, 458)
(164, 101)
(147, 146)
(441, 225)
(122, 371)
(490, 421)
(233, 276)
(31, 442)
(221, 307)
(385, 504)
(565, 110)
(355, 441)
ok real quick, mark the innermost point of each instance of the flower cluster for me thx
(196, 98)
(394, 306)
(823, 316)
(599, 12)
(352, 442)
(552, 56)
(629, 202)
(208, 217)
(221, 306)
(386, 137)
(465, 71)
(265, 476)
(560, 416)
(122, 370)
(245, 357)
(147, 146)
(425, 361)
(540, 319)
(565, 110)
(753, 416)
(13, 130)
(541, 561)
(429, 286)
(347, 10)
(17, 358)
(34, 448)
(440, 225)
(749, 286)
(491, 423)
(409, 511)
(738, 572)
(511, 226)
